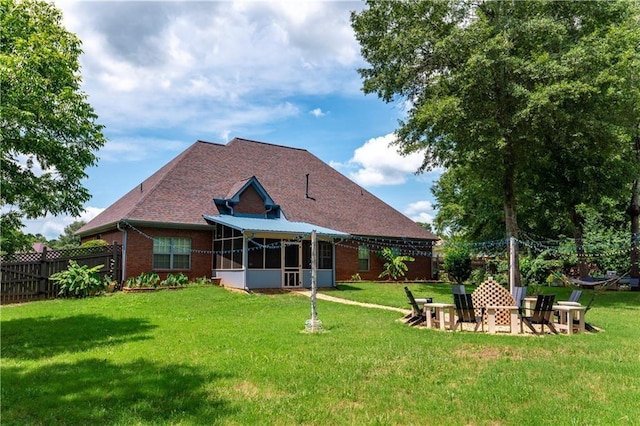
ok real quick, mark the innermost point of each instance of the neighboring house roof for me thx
(38, 247)
(182, 191)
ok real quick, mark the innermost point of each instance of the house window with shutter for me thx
(171, 253)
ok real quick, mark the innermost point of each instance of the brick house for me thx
(245, 211)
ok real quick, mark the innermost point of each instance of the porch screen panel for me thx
(228, 248)
(272, 253)
(306, 254)
(256, 253)
(217, 248)
(236, 256)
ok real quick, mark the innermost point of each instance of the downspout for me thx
(333, 262)
(124, 251)
(229, 207)
(245, 261)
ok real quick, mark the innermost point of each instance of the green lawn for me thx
(204, 355)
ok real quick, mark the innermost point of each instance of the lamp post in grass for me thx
(313, 325)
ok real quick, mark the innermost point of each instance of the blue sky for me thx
(161, 75)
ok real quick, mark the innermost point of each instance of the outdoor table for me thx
(491, 318)
(567, 314)
(567, 303)
(529, 304)
(440, 309)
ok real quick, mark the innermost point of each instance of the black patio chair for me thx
(417, 315)
(542, 314)
(466, 312)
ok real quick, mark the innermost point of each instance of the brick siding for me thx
(347, 265)
(139, 255)
(140, 252)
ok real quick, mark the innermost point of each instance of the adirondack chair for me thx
(518, 294)
(417, 315)
(542, 314)
(573, 300)
(575, 296)
(466, 312)
(458, 289)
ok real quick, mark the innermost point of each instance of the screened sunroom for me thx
(257, 253)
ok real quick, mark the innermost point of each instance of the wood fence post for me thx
(43, 273)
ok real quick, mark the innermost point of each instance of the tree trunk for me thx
(578, 237)
(510, 215)
(634, 212)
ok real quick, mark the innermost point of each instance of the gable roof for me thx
(183, 190)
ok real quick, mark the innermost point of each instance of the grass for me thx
(204, 355)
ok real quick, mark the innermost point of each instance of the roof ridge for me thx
(209, 142)
(265, 143)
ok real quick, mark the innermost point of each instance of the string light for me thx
(424, 248)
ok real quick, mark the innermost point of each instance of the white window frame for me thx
(172, 252)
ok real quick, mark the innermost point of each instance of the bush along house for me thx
(244, 213)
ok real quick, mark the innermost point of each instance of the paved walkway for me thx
(328, 298)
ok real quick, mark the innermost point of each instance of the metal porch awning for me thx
(258, 225)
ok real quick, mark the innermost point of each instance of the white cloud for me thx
(420, 211)
(195, 64)
(128, 149)
(379, 163)
(317, 112)
(53, 226)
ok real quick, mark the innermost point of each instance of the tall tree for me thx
(68, 238)
(481, 80)
(49, 132)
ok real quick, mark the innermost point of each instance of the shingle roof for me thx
(183, 190)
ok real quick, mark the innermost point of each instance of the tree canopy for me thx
(526, 104)
(49, 131)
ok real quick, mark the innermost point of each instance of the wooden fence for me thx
(25, 276)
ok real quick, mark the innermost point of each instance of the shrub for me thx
(202, 281)
(394, 266)
(477, 276)
(535, 270)
(79, 281)
(145, 279)
(95, 243)
(176, 280)
(457, 264)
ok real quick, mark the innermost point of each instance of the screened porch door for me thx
(292, 264)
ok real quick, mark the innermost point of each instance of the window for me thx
(325, 255)
(171, 253)
(363, 258)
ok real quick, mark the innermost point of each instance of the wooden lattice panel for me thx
(491, 293)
